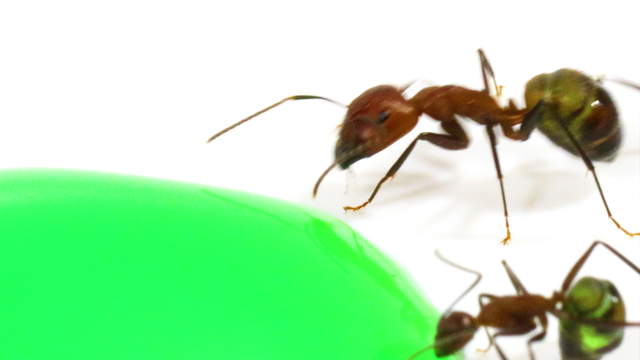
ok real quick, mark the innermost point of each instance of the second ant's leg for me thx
(514, 279)
(496, 161)
(456, 139)
(529, 122)
(487, 71)
(486, 330)
(578, 265)
(592, 169)
(538, 337)
(499, 350)
(517, 330)
(492, 343)
(521, 330)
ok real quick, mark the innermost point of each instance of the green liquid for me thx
(98, 266)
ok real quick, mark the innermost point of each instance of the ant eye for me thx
(382, 117)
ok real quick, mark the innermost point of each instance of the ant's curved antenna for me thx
(450, 338)
(475, 282)
(337, 161)
(324, 173)
(289, 98)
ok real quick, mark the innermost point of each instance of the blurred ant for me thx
(570, 108)
(591, 313)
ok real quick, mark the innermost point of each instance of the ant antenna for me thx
(294, 97)
(317, 185)
(345, 156)
(475, 282)
(421, 351)
(446, 339)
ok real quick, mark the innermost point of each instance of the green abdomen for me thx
(595, 300)
(585, 108)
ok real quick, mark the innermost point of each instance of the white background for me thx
(137, 87)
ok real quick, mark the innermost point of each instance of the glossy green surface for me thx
(585, 108)
(592, 299)
(96, 266)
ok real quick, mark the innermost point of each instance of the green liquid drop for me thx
(97, 266)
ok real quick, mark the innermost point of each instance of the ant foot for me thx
(623, 229)
(355, 208)
(506, 240)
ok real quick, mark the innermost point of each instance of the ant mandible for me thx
(591, 302)
(570, 108)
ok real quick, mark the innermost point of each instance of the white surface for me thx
(137, 87)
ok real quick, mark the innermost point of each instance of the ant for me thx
(570, 108)
(591, 303)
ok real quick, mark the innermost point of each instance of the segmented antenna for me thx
(294, 97)
(475, 282)
(450, 338)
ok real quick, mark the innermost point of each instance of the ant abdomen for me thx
(578, 102)
(596, 300)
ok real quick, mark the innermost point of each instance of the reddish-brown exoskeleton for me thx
(382, 115)
(601, 304)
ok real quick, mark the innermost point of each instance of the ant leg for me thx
(486, 330)
(529, 122)
(499, 350)
(592, 169)
(519, 329)
(496, 162)
(625, 82)
(487, 71)
(539, 337)
(456, 139)
(578, 265)
(514, 279)
(492, 343)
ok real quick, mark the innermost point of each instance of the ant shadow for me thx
(443, 191)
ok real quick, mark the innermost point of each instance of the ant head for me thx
(374, 120)
(455, 330)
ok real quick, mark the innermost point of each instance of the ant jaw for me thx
(345, 164)
(348, 153)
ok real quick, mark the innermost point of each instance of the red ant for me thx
(590, 302)
(571, 109)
